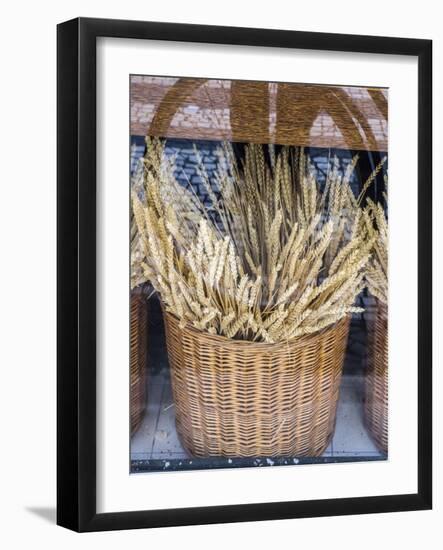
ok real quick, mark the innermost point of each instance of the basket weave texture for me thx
(376, 399)
(242, 399)
(138, 355)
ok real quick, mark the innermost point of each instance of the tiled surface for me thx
(157, 438)
(351, 437)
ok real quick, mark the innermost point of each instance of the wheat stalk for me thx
(273, 258)
(374, 222)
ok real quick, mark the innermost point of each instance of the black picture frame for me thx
(76, 279)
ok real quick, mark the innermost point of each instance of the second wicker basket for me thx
(138, 355)
(376, 398)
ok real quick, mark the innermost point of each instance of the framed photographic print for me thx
(244, 274)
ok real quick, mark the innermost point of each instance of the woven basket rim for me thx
(230, 342)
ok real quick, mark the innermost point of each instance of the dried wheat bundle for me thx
(376, 272)
(271, 258)
(137, 251)
(137, 273)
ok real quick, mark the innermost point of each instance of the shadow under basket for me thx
(376, 385)
(244, 399)
(138, 355)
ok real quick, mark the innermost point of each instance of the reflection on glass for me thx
(198, 401)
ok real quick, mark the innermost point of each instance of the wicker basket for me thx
(242, 399)
(376, 398)
(138, 355)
